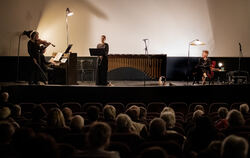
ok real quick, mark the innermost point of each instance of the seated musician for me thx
(101, 76)
(203, 68)
(36, 50)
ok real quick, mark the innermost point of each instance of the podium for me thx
(65, 70)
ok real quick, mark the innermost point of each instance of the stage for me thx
(127, 91)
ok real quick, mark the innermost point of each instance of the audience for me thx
(56, 119)
(4, 102)
(77, 124)
(244, 109)
(235, 119)
(234, 147)
(170, 121)
(92, 114)
(124, 124)
(153, 152)
(67, 113)
(47, 135)
(98, 139)
(222, 123)
(157, 129)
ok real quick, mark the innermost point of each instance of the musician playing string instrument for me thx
(36, 50)
(101, 78)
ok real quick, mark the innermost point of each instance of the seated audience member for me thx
(4, 102)
(168, 109)
(234, 147)
(153, 152)
(109, 113)
(170, 121)
(191, 123)
(134, 112)
(39, 116)
(98, 139)
(212, 151)
(235, 119)
(222, 123)
(6, 132)
(244, 109)
(124, 124)
(201, 135)
(16, 114)
(157, 129)
(77, 124)
(197, 114)
(56, 119)
(92, 115)
(41, 146)
(199, 107)
(5, 114)
(67, 113)
(143, 115)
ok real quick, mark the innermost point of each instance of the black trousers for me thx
(102, 70)
(36, 72)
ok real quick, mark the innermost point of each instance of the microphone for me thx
(240, 47)
(145, 39)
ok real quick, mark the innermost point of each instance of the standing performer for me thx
(36, 50)
(203, 68)
(101, 76)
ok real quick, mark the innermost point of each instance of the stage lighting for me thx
(220, 64)
(195, 42)
(68, 13)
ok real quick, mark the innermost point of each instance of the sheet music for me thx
(58, 56)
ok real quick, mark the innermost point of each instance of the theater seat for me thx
(135, 103)
(156, 107)
(27, 107)
(179, 107)
(132, 140)
(215, 106)
(123, 149)
(96, 104)
(49, 105)
(120, 108)
(74, 106)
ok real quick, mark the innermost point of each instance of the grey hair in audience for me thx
(169, 118)
(5, 96)
(4, 113)
(109, 112)
(235, 118)
(244, 108)
(199, 107)
(197, 114)
(168, 109)
(77, 123)
(124, 122)
(222, 112)
(234, 147)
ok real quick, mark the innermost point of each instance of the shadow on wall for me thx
(52, 25)
(48, 17)
(230, 24)
(17, 16)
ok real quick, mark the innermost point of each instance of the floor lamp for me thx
(68, 13)
(195, 42)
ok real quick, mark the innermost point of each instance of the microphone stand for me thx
(18, 60)
(188, 61)
(240, 55)
(146, 54)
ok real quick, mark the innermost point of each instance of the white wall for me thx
(168, 24)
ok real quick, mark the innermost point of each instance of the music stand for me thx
(97, 52)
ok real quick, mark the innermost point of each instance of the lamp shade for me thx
(197, 42)
(69, 12)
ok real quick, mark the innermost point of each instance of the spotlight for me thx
(220, 64)
(69, 12)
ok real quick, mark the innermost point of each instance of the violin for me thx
(44, 44)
